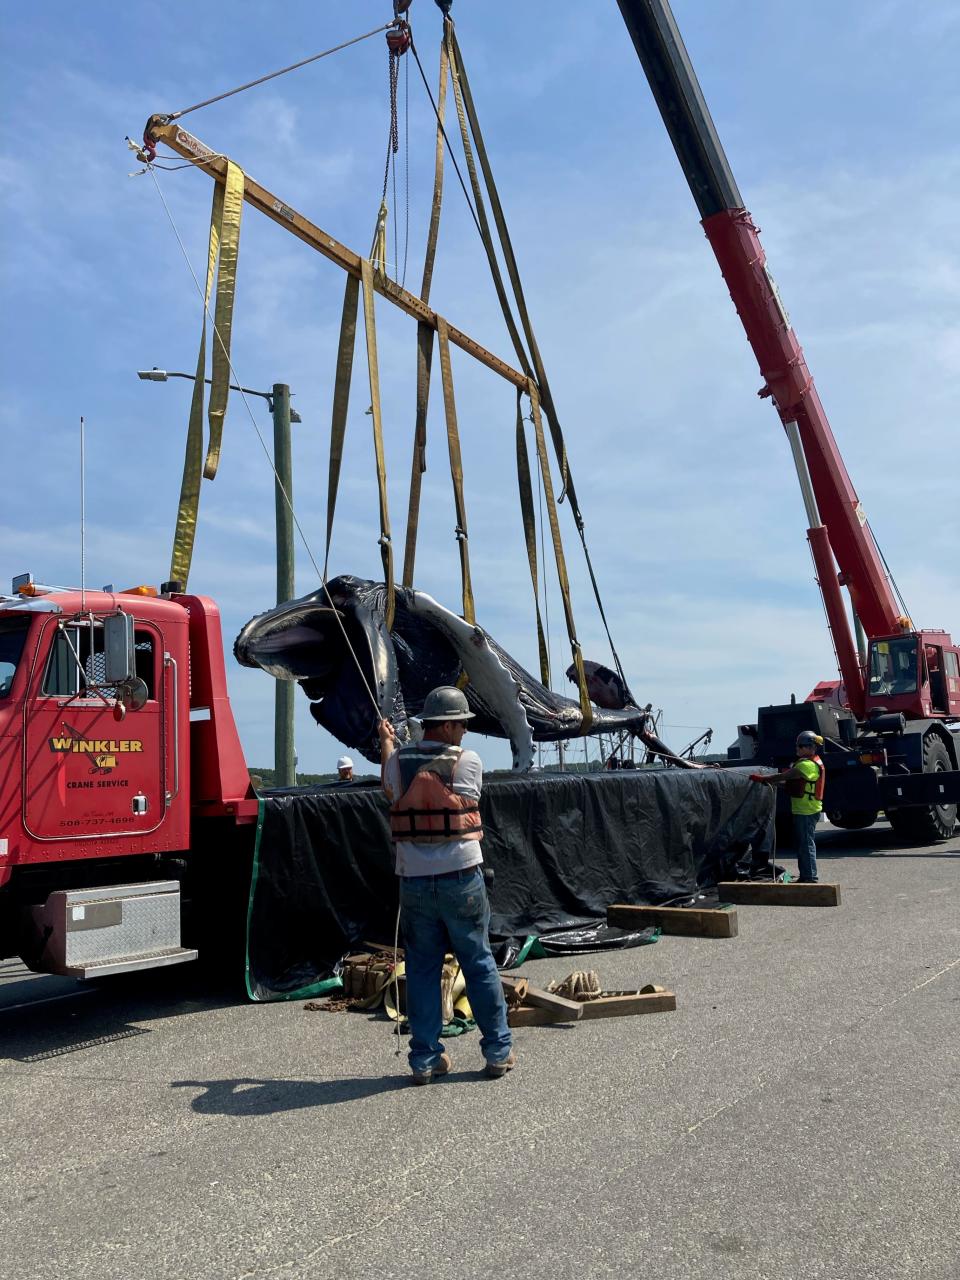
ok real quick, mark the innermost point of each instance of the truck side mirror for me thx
(118, 652)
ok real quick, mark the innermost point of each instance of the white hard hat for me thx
(344, 763)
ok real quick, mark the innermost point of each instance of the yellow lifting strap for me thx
(223, 315)
(456, 468)
(186, 527)
(341, 401)
(585, 708)
(370, 328)
(419, 463)
(224, 232)
(425, 335)
(378, 250)
(530, 535)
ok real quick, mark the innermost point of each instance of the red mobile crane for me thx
(893, 725)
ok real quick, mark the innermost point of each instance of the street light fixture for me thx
(162, 375)
(278, 401)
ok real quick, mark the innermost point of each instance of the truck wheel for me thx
(927, 824)
(852, 819)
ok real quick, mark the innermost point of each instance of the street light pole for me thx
(278, 401)
(283, 753)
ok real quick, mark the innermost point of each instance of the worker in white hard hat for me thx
(434, 791)
(345, 769)
(805, 785)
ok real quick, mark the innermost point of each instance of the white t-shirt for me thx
(414, 858)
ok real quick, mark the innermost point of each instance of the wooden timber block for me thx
(617, 1004)
(688, 922)
(612, 1004)
(763, 893)
(559, 1007)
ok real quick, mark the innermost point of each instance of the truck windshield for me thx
(893, 666)
(13, 634)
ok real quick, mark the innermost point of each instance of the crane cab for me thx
(916, 674)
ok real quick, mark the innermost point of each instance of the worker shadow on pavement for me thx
(252, 1097)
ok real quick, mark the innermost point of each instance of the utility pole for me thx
(283, 752)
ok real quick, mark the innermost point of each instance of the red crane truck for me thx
(124, 795)
(892, 723)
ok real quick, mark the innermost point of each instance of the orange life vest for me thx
(803, 788)
(429, 811)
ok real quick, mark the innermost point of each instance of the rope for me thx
(266, 452)
(582, 984)
(294, 66)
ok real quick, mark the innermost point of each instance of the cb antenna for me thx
(83, 530)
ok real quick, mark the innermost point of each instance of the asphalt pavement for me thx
(797, 1116)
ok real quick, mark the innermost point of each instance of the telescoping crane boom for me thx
(910, 684)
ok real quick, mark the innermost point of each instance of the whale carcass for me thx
(307, 640)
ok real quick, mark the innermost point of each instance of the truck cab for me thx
(117, 742)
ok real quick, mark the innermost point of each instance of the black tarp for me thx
(562, 847)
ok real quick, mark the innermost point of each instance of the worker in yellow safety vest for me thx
(804, 782)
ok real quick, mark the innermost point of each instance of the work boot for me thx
(441, 1069)
(494, 1070)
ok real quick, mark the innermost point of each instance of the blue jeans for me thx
(804, 826)
(440, 914)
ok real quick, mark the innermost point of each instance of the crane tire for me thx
(928, 823)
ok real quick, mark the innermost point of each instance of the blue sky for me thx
(840, 123)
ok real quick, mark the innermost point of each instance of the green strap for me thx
(370, 327)
(586, 709)
(530, 535)
(456, 468)
(341, 400)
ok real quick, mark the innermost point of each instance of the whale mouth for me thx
(305, 643)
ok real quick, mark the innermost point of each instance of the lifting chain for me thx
(398, 42)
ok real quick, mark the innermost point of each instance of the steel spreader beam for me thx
(214, 163)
